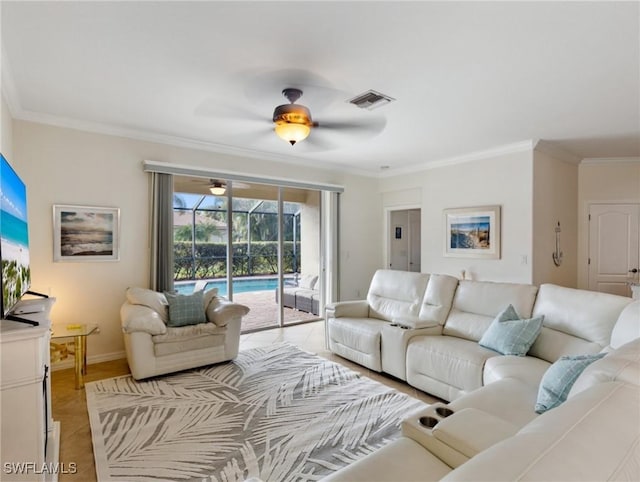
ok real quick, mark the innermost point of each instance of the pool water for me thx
(239, 286)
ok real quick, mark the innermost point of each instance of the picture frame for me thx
(398, 233)
(86, 233)
(472, 232)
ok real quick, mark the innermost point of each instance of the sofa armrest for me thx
(414, 323)
(220, 311)
(141, 318)
(348, 309)
(471, 431)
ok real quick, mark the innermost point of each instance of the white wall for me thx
(6, 131)
(66, 166)
(506, 180)
(555, 199)
(360, 236)
(602, 182)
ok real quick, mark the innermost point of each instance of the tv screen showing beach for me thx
(14, 237)
(470, 232)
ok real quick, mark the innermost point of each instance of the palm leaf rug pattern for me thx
(276, 413)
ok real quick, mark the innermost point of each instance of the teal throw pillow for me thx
(510, 335)
(559, 378)
(186, 309)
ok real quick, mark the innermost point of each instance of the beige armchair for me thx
(153, 348)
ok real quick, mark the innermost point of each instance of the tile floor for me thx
(70, 405)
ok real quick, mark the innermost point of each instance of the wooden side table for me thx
(79, 333)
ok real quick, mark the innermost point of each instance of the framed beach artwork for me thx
(472, 232)
(85, 233)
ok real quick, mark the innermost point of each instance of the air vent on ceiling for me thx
(371, 99)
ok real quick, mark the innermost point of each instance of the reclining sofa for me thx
(153, 348)
(425, 329)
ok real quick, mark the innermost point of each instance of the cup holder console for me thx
(433, 415)
(428, 422)
(444, 412)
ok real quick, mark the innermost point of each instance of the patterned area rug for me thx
(276, 413)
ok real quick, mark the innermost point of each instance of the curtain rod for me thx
(181, 170)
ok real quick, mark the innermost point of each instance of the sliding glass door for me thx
(258, 244)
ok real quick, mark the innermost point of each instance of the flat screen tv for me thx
(14, 238)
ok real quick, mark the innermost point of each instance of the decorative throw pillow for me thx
(510, 335)
(186, 309)
(559, 378)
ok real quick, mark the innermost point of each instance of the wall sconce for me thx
(557, 255)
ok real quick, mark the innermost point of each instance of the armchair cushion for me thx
(510, 335)
(141, 318)
(152, 299)
(188, 332)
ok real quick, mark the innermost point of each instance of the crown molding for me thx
(184, 142)
(10, 93)
(610, 160)
(470, 157)
(177, 141)
(556, 152)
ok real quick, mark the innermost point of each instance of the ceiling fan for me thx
(335, 123)
(293, 122)
(218, 187)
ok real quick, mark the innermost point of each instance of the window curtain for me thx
(161, 232)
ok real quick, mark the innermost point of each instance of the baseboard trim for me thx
(104, 357)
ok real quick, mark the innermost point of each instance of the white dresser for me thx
(29, 448)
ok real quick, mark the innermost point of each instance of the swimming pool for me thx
(239, 285)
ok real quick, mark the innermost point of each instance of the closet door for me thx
(614, 247)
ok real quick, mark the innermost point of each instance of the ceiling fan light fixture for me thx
(292, 132)
(218, 188)
(292, 121)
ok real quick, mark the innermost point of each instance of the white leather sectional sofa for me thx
(425, 328)
(490, 430)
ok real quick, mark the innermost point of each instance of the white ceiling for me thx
(467, 76)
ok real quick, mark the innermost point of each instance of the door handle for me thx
(634, 270)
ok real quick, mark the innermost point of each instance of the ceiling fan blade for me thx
(240, 185)
(249, 137)
(210, 182)
(365, 126)
(318, 141)
(215, 108)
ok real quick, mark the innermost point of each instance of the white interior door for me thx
(404, 240)
(614, 247)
